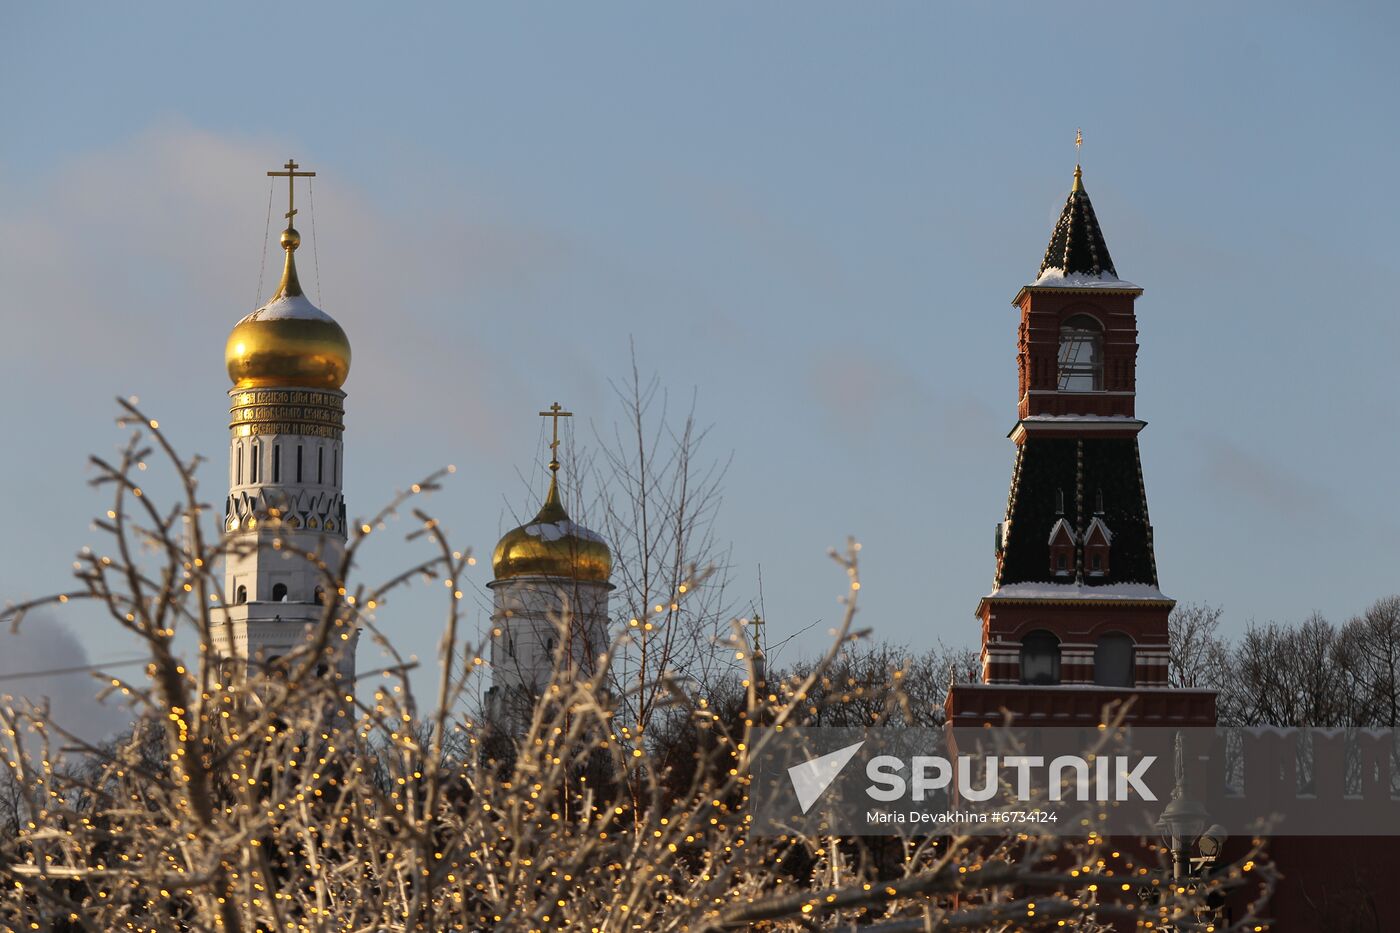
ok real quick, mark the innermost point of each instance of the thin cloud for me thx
(1244, 475)
(859, 390)
(153, 248)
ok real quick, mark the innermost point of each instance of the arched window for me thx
(1040, 658)
(1081, 355)
(321, 595)
(279, 592)
(1113, 661)
(240, 596)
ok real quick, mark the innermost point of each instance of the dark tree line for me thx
(1310, 673)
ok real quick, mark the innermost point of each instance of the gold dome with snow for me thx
(288, 341)
(552, 545)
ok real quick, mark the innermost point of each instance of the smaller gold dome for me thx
(288, 341)
(552, 545)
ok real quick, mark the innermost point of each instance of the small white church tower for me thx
(551, 603)
(288, 361)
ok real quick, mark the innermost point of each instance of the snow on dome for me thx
(289, 308)
(556, 531)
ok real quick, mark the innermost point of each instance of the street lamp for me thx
(1180, 823)
(1183, 820)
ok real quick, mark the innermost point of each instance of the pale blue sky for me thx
(814, 215)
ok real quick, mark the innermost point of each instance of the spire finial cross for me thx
(1078, 176)
(556, 411)
(290, 174)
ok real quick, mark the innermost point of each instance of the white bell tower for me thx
(285, 513)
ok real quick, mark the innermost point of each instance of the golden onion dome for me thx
(552, 545)
(288, 341)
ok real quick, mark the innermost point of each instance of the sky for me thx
(810, 218)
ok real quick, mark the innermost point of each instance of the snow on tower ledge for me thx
(1078, 591)
(1055, 277)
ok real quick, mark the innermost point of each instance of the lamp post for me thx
(1183, 820)
(1183, 828)
(1180, 823)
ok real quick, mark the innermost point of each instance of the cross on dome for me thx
(556, 412)
(291, 174)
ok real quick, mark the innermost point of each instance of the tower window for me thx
(241, 595)
(277, 463)
(335, 466)
(1113, 661)
(279, 593)
(321, 465)
(321, 595)
(1081, 355)
(253, 465)
(238, 460)
(298, 463)
(1040, 658)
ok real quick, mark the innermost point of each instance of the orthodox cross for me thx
(290, 174)
(556, 412)
(1078, 141)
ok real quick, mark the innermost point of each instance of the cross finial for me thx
(1078, 175)
(290, 174)
(556, 411)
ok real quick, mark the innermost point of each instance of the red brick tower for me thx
(1075, 618)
